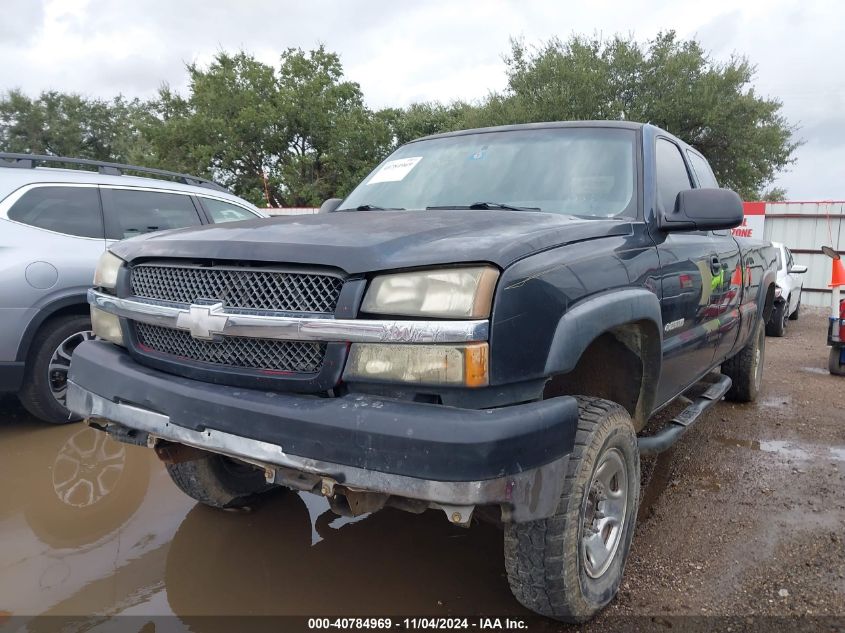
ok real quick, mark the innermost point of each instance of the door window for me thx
(224, 211)
(132, 212)
(672, 175)
(69, 210)
(702, 171)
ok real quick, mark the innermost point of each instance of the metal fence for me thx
(805, 227)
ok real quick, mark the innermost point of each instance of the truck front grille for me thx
(234, 351)
(246, 288)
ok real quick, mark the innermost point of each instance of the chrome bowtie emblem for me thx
(204, 321)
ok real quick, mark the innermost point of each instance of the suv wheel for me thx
(218, 481)
(44, 392)
(570, 565)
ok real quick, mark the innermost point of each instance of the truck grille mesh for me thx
(234, 351)
(248, 288)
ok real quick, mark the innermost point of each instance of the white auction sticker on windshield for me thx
(395, 170)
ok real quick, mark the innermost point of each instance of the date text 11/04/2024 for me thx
(421, 623)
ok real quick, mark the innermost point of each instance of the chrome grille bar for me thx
(224, 323)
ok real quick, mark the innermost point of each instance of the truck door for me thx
(690, 273)
(727, 266)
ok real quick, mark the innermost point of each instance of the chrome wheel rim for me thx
(758, 361)
(59, 365)
(604, 513)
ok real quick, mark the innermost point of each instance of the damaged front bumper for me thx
(370, 451)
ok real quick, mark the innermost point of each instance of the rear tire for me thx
(745, 369)
(45, 381)
(218, 481)
(777, 322)
(833, 365)
(570, 565)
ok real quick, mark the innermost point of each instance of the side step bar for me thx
(672, 432)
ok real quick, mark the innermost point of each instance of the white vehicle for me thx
(787, 292)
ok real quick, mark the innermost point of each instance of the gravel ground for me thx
(746, 515)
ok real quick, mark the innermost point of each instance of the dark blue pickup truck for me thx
(484, 325)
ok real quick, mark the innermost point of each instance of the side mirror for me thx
(330, 205)
(703, 210)
(798, 269)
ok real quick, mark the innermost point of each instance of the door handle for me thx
(715, 265)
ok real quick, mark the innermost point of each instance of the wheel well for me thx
(45, 317)
(621, 365)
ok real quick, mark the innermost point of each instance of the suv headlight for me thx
(462, 293)
(107, 269)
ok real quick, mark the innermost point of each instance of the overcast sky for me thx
(401, 52)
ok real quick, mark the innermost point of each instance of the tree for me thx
(302, 127)
(668, 82)
(72, 125)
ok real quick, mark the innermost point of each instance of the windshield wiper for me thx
(500, 205)
(481, 206)
(372, 207)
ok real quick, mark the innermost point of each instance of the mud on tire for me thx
(745, 369)
(545, 559)
(218, 481)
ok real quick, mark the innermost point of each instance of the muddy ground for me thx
(744, 518)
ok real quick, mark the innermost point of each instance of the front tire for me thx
(218, 481)
(44, 391)
(745, 369)
(570, 565)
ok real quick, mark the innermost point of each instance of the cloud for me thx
(442, 50)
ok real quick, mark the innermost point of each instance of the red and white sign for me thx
(752, 223)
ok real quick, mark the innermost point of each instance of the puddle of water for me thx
(789, 450)
(815, 370)
(775, 401)
(88, 526)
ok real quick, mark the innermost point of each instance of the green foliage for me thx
(668, 82)
(775, 194)
(72, 125)
(306, 129)
(303, 127)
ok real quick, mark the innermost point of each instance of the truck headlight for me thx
(463, 293)
(464, 365)
(106, 326)
(107, 268)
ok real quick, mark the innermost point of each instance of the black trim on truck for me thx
(403, 438)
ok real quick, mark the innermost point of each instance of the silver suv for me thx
(54, 225)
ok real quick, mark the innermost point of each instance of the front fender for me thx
(594, 316)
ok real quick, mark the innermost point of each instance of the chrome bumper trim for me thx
(525, 496)
(216, 321)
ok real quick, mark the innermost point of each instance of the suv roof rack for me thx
(29, 161)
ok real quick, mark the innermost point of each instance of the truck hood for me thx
(370, 241)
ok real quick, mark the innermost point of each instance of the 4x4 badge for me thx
(203, 321)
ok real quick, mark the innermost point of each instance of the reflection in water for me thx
(68, 499)
(391, 562)
(88, 468)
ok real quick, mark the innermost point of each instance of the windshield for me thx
(572, 171)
